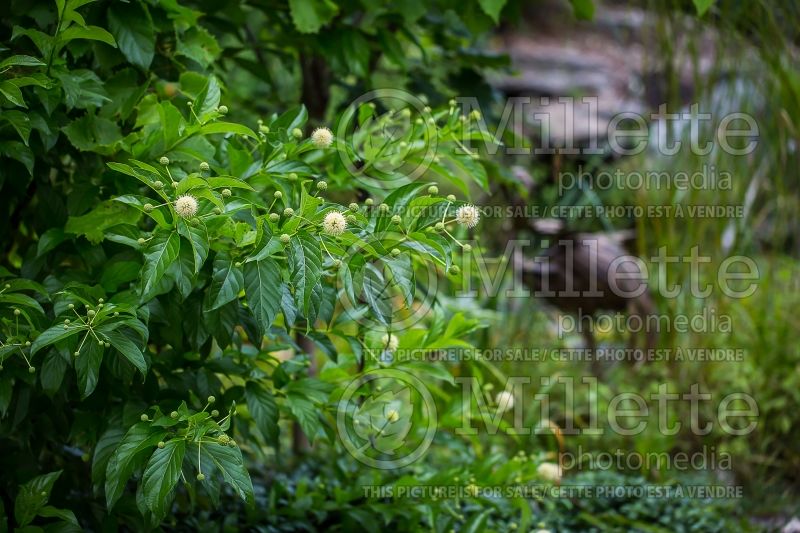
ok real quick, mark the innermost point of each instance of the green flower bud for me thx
(27, 343)
(451, 198)
(397, 219)
(383, 208)
(215, 413)
(226, 193)
(285, 238)
(76, 354)
(158, 184)
(237, 264)
(71, 306)
(454, 270)
(475, 114)
(297, 133)
(467, 248)
(433, 189)
(217, 211)
(100, 300)
(223, 109)
(174, 415)
(278, 195)
(396, 252)
(161, 444)
(7, 285)
(17, 312)
(164, 160)
(143, 418)
(91, 312)
(288, 212)
(405, 113)
(116, 313)
(322, 185)
(232, 443)
(439, 226)
(31, 369)
(211, 399)
(66, 321)
(85, 457)
(66, 326)
(223, 439)
(141, 240)
(292, 176)
(148, 208)
(274, 217)
(369, 201)
(200, 477)
(351, 219)
(107, 344)
(204, 167)
(353, 207)
(263, 129)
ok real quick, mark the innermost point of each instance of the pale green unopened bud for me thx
(274, 217)
(297, 133)
(278, 195)
(226, 193)
(397, 219)
(353, 207)
(285, 238)
(223, 109)
(433, 189)
(204, 166)
(288, 212)
(164, 160)
(322, 185)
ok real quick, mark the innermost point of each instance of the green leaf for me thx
(106, 215)
(12, 93)
(161, 475)
(91, 33)
(66, 515)
(264, 410)
(52, 373)
(309, 15)
(32, 496)
(161, 253)
(305, 256)
(53, 335)
(20, 61)
(227, 127)
(126, 347)
(584, 9)
(226, 282)
(306, 414)
(492, 8)
(262, 286)
(131, 26)
(702, 6)
(229, 461)
(198, 240)
(138, 441)
(87, 366)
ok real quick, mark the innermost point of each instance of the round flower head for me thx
(390, 342)
(505, 401)
(549, 471)
(186, 206)
(322, 137)
(468, 215)
(334, 223)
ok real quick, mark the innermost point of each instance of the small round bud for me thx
(467, 248)
(204, 167)
(433, 189)
(223, 439)
(383, 208)
(215, 413)
(76, 354)
(396, 252)
(263, 129)
(232, 443)
(71, 306)
(31, 369)
(143, 418)
(190, 103)
(405, 113)
(452, 102)
(148, 208)
(66, 321)
(274, 217)
(292, 176)
(211, 399)
(475, 114)
(85, 457)
(217, 211)
(100, 301)
(278, 195)
(100, 305)
(141, 240)
(27, 343)
(7, 285)
(397, 219)
(116, 313)
(164, 160)
(226, 193)
(158, 184)
(288, 212)
(451, 198)
(66, 326)
(369, 201)
(322, 185)
(454, 270)
(200, 477)
(17, 312)
(418, 121)
(161, 444)
(174, 415)
(285, 238)
(91, 312)
(237, 264)
(353, 207)
(223, 109)
(107, 344)
(174, 184)
(351, 219)
(439, 226)
(297, 133)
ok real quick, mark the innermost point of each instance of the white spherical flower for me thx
(186, 206)
(322, 137)
(334, 223)
(549, 471)
(505, 401)
(390, 342)
(468, 215)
